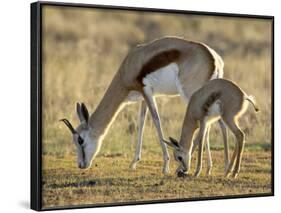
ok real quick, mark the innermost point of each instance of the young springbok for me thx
(218, 99)
(168, 66)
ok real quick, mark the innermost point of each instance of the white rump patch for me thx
(215, 75)
(163, 81)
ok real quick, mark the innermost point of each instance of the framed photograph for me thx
(139, 105)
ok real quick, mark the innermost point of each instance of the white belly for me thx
(214, 112)
(134, 96)
(163, 81)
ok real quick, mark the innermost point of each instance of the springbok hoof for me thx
(227, 174)
(197, 173)
(208, 173)
(166, 170)
(234, 175)
(133, 166)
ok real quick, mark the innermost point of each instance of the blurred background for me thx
(82, 50)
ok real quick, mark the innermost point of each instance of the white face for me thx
(87, 148)
(183, 159)
(180, 155)
(87, 145)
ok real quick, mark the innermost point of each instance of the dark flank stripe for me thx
(160, 60)
(210, 100)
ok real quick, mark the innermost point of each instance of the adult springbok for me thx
(169, 66)
(217, 99)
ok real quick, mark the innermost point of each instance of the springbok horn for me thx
(173, 143)
(68, 124)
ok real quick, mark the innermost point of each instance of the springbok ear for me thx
(173, 143)
(78, 111)
(82, 112)
(85, 112)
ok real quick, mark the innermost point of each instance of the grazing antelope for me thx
(169, 66)
(218, 99)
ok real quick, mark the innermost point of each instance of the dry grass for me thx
(82, 49)
(110, 180)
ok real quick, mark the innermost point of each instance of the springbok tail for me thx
(252, 100)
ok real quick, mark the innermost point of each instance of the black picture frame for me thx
(36, 102)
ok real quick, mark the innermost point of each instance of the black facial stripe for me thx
(80, 140)
(83, 153)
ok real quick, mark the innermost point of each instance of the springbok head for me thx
(180, 155)
(87, 146)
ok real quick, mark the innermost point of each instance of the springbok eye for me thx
(80, 140)
(179, 158)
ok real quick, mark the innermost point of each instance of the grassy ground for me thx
(82, 50)
(110, 180)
